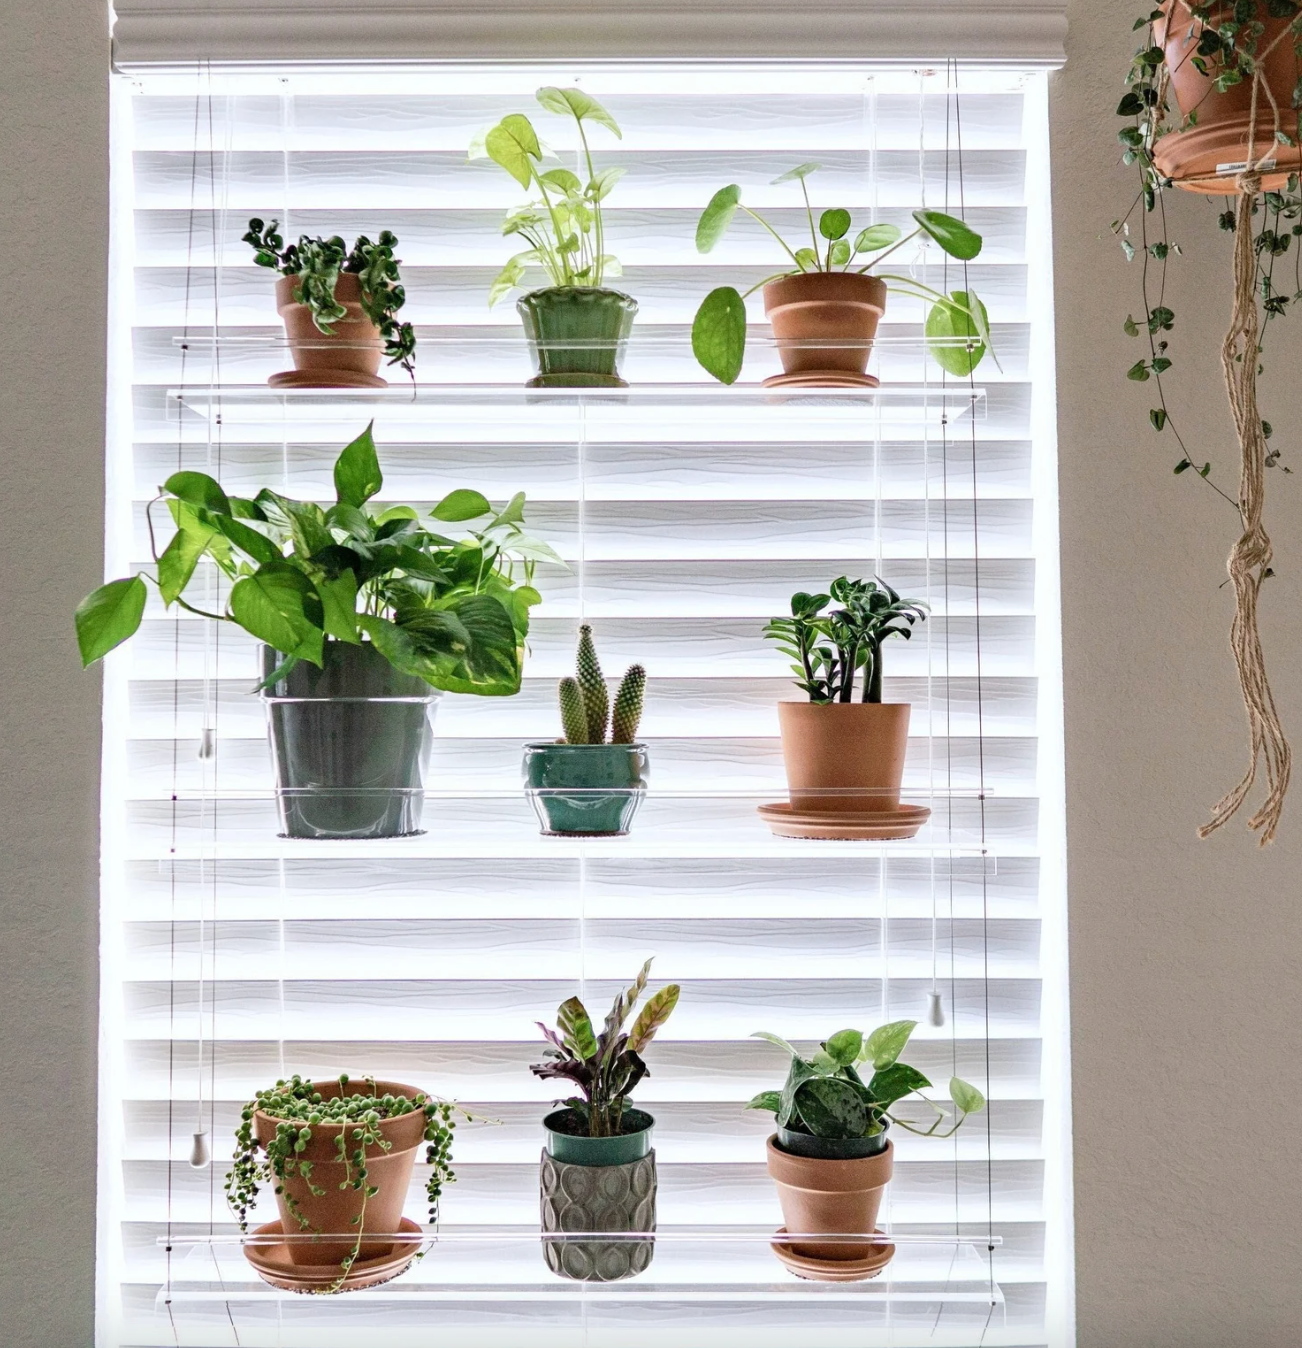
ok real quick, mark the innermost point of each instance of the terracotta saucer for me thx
(822, 379)
(274, 1265)
(326, 379)
(786, 821)
(869, 1265)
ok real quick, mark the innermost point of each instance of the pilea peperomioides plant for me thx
(605, 1066)
(586, 713)
(317, 264)
(825, 1095)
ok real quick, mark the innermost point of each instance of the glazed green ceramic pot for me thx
(585, 790)
(350, 742)
(608, 1186)
(577, 335)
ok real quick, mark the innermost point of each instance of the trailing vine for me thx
(297, 1109)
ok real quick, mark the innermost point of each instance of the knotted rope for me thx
(1250, 557)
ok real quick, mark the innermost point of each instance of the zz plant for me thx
(826, 1096)
(297, 1108)
(957, 327)
(829, 647)
(452, 611)
(318, 263)
(563, 225)
(587, 716)
(607, 1065)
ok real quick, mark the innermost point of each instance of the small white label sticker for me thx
(1262, 166)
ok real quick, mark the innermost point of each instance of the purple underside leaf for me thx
(568, 1069)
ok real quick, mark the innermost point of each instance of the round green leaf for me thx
(951, 233)
(582, 107)
(800, 171)
(886, 1043)
(716, 217)
(200, 490)
(955, 330)
(462, 504)
(876, 237)
(844, 1046)
(513, 144)
(965, 1096)
(108, 616)
(719, 334)
(840, 253)
(834, 224)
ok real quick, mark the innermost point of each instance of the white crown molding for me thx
(168, 32)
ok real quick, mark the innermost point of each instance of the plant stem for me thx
(785, 247)
(899, 243)
(809, 211)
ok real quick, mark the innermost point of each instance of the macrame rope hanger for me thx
(1250, 557)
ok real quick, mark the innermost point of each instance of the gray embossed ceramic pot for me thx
(599, 1184)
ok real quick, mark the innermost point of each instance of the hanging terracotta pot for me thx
(347, 357)
(1209, 156)
(825, 323)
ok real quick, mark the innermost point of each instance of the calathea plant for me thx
(830, 646)
(317, 263)
(587, 715)
(957, 327)
(563, 225)
(607, 1065)
(296, 575)
(826, 1096)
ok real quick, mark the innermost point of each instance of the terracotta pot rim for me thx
(834, 281)
(818, 1175)
(805, 702)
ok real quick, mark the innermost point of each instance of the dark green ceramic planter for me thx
(597, 322)
(598, 1184)
(831, 1148)
(585, 790)
(350, 742)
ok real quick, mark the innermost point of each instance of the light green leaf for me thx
(272, 604)
(611, 265)
(652, 1017)
(844, 1046)
(840, 254)
(200, 490)
(509, 277)
(511, 513)
(462, 504)
(777, 1040)
(716, 218)
(604, 181)
(583, 107)
(876, 237)
(807, 259)
(719, 334)
(535, 550)
(563, 179)
(181, 556)
(575, 1025)
(357, 471)
(247, 539)
(108, 616)
(477, 148)
(834, 224)
(951, 233)
(513, 144)
(954, 333)
(771, 1100)
(397, 512)
(965, 1096)
(339, 606)
(800, 171)
(886, 1043)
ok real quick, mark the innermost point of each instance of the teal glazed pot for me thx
(350, 743)
(597, 321)
(585, 790)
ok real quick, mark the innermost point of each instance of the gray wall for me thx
(53, 235)
(1186, 1033)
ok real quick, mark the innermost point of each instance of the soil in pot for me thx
(844, 757)
(347, 357)
(609, 1185)
(350, 742)
(828, 1197)
(333, 1212)
(577, 335)
(824, 324)
(585, 790)
(1209, 156)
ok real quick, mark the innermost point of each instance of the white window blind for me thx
(687, 514)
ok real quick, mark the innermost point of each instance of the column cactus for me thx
(574, 719)
(628, 706)
(585, 700)
(596, 700)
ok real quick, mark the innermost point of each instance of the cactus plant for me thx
(585, 700)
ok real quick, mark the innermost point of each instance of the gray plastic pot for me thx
(350, 743)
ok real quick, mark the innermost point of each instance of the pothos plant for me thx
(825, 1094)
(828, 647)
(957, 326)
(297, 1108)
(296, 575)
(606, 1066)
(563, 225)
(316, 264)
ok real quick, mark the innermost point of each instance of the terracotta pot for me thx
(826, 1197)
(1191, 158)
(348, 357)
(841, 308)
(333, 1212)
(844, 757)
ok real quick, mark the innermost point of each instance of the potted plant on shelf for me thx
(577, 327)
(339, 1156)
(339, 307)
(1213, 107)
(825, 306)
(598, 1170)
(830, 1157)
(367, 616)
(844, 759)
(583, 785)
